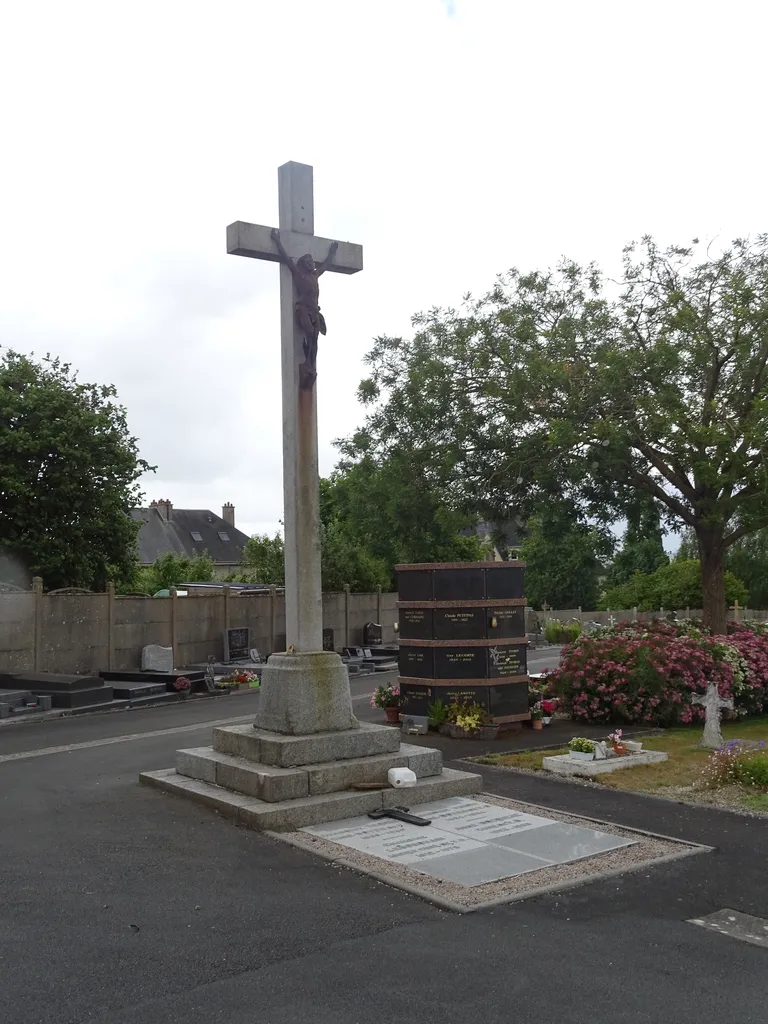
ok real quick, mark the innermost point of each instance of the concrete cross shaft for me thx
(303, 587)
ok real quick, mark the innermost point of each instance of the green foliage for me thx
(676, 585)
(169, 570)
(552, 386)
(748, 559)
(556, 632)
(263, 561)
(68, 472)
(643, 547)
(376, 515)
(753, 771)
(438, 714)
(563, 560)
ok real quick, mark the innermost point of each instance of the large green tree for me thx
(563, 384)
(564, 561)
(169, 570)
(748, 559)
(674, 586)
(68, 472)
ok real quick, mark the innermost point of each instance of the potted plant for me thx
(466, 719)
(582, 749)
(240, 679)
(537, 716)
(183, 687)
(548, 708)
(618, 746)
(387, 697)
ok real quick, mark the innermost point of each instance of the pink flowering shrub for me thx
(648, 672)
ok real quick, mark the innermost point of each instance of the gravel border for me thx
(650, 849)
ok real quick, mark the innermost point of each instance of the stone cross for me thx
(713, 702)
(301, 516)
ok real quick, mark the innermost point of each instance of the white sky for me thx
(452, 138)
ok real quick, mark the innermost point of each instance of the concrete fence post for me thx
(378, 604)
(37, 657)
(346, 615)
(110, 625)
(227, 596)
(174, 624)
(634, 614)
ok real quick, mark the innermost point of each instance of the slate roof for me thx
(157, 536)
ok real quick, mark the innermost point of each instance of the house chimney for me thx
(165, 508)
(228, 514)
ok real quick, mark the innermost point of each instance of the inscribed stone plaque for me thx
(155, 658)
(508, 660)
(459, 584)
(237, 644)
(416, 661)
(460, 663)
(415, 699)
(478, 820)
(460, 623)
(395, 841)
(507, 699)
(416, 624)
(506, 581)
(415, 586)
(509, 622)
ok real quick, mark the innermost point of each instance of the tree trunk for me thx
(712, 558)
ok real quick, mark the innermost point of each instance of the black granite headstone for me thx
(509, 622)
(237, 644)
(372, 634)
(415, 585)
(508, 699)
(328, 640)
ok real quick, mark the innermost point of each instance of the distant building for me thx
(190, 532)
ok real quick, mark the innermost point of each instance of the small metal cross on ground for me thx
(303, 258)
(713, 703)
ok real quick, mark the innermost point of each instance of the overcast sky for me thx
(452, 138)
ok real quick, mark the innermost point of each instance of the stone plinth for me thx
(230, 777)
(302, 694)
(563, 764)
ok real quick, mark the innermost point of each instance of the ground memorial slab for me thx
(564, 764)
(484, 850)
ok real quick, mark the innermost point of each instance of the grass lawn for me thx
(674, 777)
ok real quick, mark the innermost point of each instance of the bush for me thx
(556, 632)
(647, 673)
(736, 765)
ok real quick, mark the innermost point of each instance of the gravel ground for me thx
(647, 849)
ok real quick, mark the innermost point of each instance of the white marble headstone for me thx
(155, 658)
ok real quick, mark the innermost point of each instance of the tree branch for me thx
(647, 483)
(674, 474)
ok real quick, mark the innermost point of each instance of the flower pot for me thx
(393, 715)
(489, 732)
(633, 747)
(184, 694)
(619, 749)
(537, 723)
(580, 755)
(547, 719)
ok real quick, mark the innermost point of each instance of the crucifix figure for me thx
(713, 703)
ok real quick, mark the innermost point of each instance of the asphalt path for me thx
(121, 905)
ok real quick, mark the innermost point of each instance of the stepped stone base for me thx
(270, 781)
(311, 810)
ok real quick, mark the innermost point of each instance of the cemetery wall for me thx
(84, 633)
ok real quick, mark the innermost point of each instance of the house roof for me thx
(158, 536)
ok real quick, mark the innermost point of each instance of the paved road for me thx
(122, 905)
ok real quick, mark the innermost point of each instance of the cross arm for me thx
(255, 240)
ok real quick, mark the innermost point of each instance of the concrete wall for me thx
(85, 633)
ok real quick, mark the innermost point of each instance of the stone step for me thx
(21, 702)
(272, 784)
(317, 748)
(310, 810)
(135, 691)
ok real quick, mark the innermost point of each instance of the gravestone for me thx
(155, 658)
(372, 634)
(462, 636)
(237, 644)
(713, 703)
(328, 641)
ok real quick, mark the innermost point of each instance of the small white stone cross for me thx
(714, 703)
